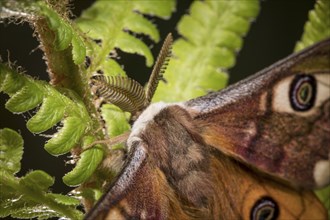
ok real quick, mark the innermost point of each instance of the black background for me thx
(272, 37)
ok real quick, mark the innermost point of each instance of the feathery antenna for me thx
(125, 92)
(159, 68)
(121, 91)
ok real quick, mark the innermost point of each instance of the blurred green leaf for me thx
(11, 150)
(317, 27)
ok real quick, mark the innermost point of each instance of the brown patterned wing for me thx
(277, 120)
(172, 174)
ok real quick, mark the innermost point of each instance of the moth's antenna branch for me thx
(159, 68)
(121, 91)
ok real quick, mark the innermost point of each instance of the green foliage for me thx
(324, 196)
(64, 33)
(55, 107)
(212, 35)
(11, 150)
(27, 93)
(109, 22)
(28, 196)
(90, 158)
(317, 28)
(113, 117)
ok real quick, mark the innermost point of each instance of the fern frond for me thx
(54, 106)
(111, 21)
(116, 120)
(28, 196)
(63, 46)
(87, 164)
(11, 145)
(317, 27)
(65, 34)
(212, 35)
(26, 93)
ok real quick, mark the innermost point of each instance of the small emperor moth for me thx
(255, 150)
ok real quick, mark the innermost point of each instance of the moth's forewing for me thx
(277, 120)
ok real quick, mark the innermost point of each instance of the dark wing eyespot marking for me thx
(303, 92)
(264, 209)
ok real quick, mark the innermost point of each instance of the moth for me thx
(254, 150)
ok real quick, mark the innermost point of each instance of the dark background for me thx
(272, 37)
